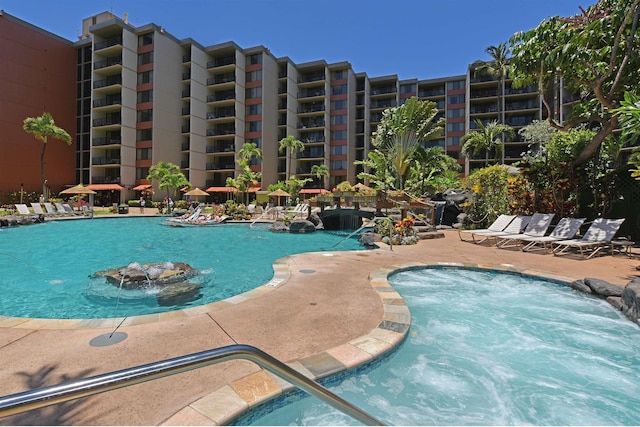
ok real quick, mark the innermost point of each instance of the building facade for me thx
(143, 96)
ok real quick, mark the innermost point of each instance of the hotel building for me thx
(143, 96)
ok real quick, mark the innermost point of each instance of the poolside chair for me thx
(565, 229)
(537, 227)
(68, 209)
(516, 226)
(60, 209)
(37, 208)
(23, 209)
(598, 236)
(498, 225)
(50, 209)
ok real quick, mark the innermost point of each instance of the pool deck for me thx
(322, 312)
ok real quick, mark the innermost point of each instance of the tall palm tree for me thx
(169, 176)
(248, 152)
(486, 138)
(42, 128)
(498, 67)
(320, 171)
(290, 145)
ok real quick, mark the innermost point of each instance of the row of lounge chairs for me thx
(529, 233)
(60, 209)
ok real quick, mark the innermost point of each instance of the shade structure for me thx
(105, 187)
(221, 190)
(78, 189)
(313, 191)
(279, 193)
(361, 187)
(142, 187)
(196, 192)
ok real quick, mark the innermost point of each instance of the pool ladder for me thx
(33, 399)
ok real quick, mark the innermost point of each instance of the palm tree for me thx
(320, 171)
(248, 152)
(498, 67)
(291, 145)
(42, 128)
(169, 176)
(486, 138)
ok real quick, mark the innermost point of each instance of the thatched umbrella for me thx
(77, 190)
(279, 193)
(196, 192)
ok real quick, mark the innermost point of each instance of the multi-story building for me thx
(144, 96)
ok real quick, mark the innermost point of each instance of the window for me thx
(144, 115)
(254, 92)
(145, 39)
(145, 58)
(339, 165)
(145, 96)
(338, 150)
(142, 173)
(458, 84)
(254, 76)
(339, 120)
(456, 99)
(143, 154)
(455, 112)
(255, 59)
(253, 126)
(339, 90)
(453, 141)
(338, 134)
(339, 105)
(251, 110)
(453, 127)
(145, 77)
(408, 88)
(144, 135)
(339, 75)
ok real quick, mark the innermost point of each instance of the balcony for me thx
(109, 81)
(310, 93)
(185, 146)
(222, 62)
(311, 108)
(316, 123)
(114, 41)
(107, 121)
(310, 154)
(383, 90)
(105, 179)
(222, 96)
(384, 104)
(426, 93)
(221, 113)
(116, 60)
(98, 142)
(185, 129)
(114, 100)
(101, 161)
(313, 77)
(221, 79)
(221, 130)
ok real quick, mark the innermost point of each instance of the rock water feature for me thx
(170, 277)
(625, 299)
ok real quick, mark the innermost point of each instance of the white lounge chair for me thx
(60, 209)
(68, 209)
(516, 226)
(37, 208)
(565, 229)
(598, 236)
(498, 225)
(537, 227)
(50, 209)
(23, 209)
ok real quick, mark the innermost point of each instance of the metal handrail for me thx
(38, 398)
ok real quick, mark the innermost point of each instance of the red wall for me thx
(37, 74)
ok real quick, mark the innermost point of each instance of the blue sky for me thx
(411, 38)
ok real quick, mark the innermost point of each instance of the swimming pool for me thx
(46, 268)
(492, 348)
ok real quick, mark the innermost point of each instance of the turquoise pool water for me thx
(488, 348)
(46, 268)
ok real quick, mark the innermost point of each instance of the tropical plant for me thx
(320, 171)
(246, 176)
(490, 196)
(248, 152)
(537, 133)
(485, 139)
(597, 56)
(432, 170)
(42, 128)
(402, 130)
(629, 116)
(497, 67)
(290, 145)
(168, 176)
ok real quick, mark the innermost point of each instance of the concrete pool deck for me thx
(322, 312)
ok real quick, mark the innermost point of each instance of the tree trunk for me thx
(44, 180)
(597, 140)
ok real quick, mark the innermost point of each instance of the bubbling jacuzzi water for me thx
(491, 348)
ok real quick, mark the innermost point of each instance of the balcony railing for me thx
(383, 90)
(431, 92)
(310, 124)
(97, 161)
(311, 108)
(311, 93)
(107, 43)
(107, 101)
(107, 121)
(221, 62)
(109, 81)
(316, 77)
(105, 179)
(116, 60)
(97, 142)
(221, 96)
